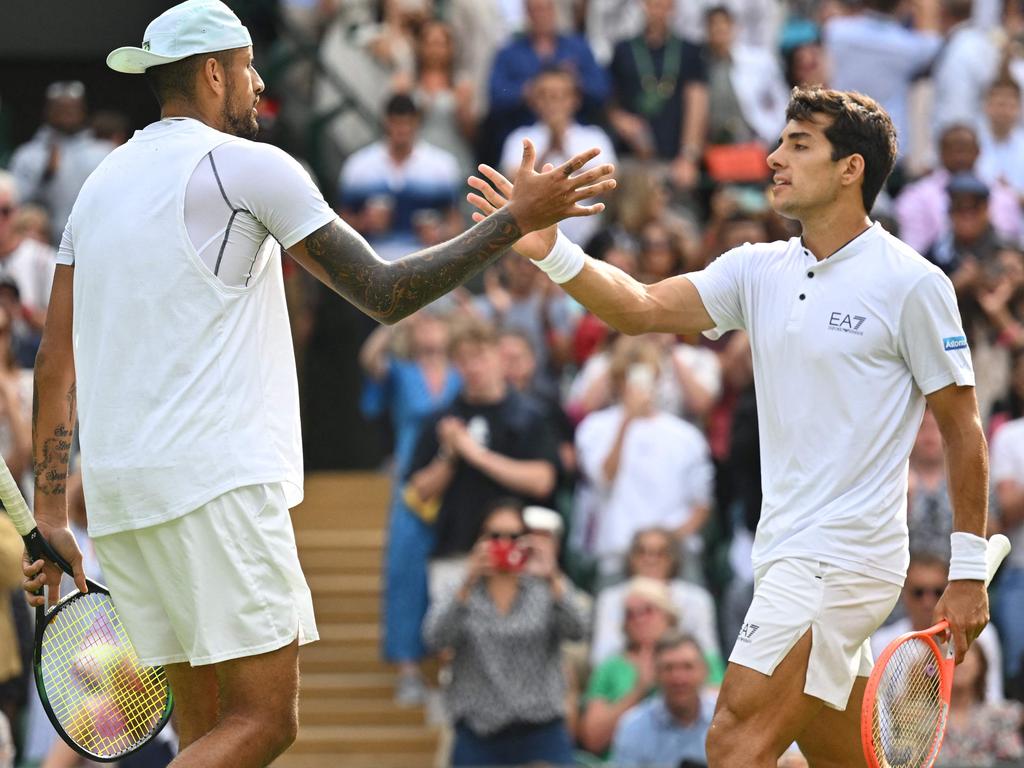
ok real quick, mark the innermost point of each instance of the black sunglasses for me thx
(508, 535)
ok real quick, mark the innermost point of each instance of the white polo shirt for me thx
(844, 351)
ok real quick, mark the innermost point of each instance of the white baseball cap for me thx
(191, 27)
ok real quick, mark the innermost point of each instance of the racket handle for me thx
(998, 549)
(14, 502)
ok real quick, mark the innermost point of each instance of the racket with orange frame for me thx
(903, 719)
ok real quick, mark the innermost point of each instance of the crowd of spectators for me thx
(573, 510)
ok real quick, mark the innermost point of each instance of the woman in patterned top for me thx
(980, 733)
(505, 624)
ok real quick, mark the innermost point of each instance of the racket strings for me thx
(97, 689)
(909, 712)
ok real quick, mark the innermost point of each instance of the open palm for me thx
(495, 191)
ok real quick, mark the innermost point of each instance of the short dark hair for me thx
(859, 126)
(1007, 83)
(400, 104)
(501, 504)
(924, 558)
(675, 639)
(958, 10)
(718, 10)
(178, 79)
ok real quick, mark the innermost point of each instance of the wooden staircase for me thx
(347, 718)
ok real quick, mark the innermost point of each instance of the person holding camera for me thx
(504, 624)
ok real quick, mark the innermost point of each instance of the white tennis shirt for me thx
(844, 351)
(186, 381)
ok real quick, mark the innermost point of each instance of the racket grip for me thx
(14, 502)
(998, 549)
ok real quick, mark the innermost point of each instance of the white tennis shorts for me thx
(841, 608)
(218, 583)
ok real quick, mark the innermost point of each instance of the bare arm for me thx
(373, 355)
(433, 480)
(965, 602)
(530, 477)
(19, 458)
(389, 291)
(600, 717)
(629, 306)
(610, 465)
(54, 411)
(695, 120)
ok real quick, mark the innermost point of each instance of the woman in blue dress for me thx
(409, 377)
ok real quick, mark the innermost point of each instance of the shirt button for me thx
(802, 296)
(810, 274)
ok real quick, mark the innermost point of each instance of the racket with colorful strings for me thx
(99, 696)
(906, 703)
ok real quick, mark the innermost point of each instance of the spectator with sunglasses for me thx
(655, 554)
(925, 583)
(624, 680)
(504, 624)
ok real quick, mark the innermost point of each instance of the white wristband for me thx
(967, 560)
(564, 262)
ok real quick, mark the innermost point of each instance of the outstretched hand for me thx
(494, 195)
(539, 200)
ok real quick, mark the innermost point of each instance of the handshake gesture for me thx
(538, 201)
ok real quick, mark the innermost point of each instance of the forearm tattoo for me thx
(389, 291)
(50, 465)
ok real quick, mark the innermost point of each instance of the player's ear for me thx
(851, 168)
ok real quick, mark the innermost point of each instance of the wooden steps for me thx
(347, 717)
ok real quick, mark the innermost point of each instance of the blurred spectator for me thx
(609, 21)
(447, 102)
(12, 682)
(15, 409)
(873, 52)
(410, 385)
(925, 583)
(504, 624)
(980, 731)
(6, 743)
(807, 64)
(661, 253)
(1001, 137)
(654, 554)
(966, 66)
(26, 262)
(922, 208)
(651, 467)
(672, 726)
(111, 126)
(620, 682)
(1007, 478)
(384, 185)
(54, 164)
(520, 363)
(491, 442)
(517, 296)
(1012, 406)
(748, 94)
(519, 62)
(33, 222)
(659, 95)
(553, 96)
(929, 510)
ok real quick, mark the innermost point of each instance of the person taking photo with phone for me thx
(504, 624)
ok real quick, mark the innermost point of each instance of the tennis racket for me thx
(99, 696)
(903, 719)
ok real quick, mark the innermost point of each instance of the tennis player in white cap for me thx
(167, 334)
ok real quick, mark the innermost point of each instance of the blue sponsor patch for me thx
(954, 342)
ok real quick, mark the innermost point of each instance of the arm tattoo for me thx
(389, 291)
(51, 469)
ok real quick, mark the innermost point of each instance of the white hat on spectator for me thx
(653, 591)
(189, 28)
(543, 519)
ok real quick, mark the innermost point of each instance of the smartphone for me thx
(640, 376)
(508, 556)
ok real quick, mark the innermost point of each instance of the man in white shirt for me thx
(851, 331)
(1001, 137)
(167, 336)
(554, 97)
(1008, 482)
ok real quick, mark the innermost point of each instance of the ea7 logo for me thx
(840, 321)
(747, 631)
